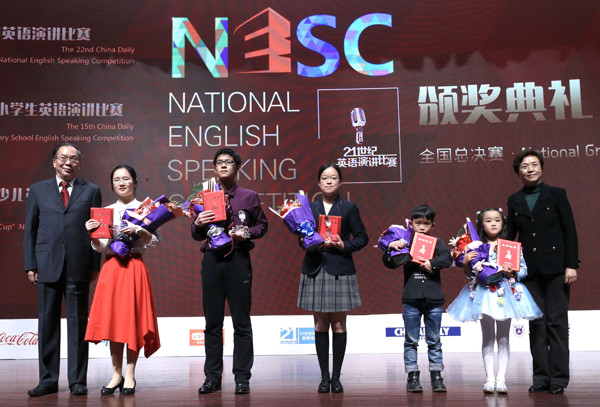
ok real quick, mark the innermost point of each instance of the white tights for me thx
(495, 331)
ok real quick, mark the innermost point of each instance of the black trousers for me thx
(50, 297)
(549, 335)
(227, 278)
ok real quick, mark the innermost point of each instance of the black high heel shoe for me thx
(128, 391)
(105, 391)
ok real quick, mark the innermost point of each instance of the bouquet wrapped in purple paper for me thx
(150, 215)
(468, 240)
(299, 219)
(216, 232)
(392, 258)
(486, 270)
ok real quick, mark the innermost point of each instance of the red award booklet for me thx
(215, 201)
(509, 253)
(422, 247)
(105, 217)
(329, 226)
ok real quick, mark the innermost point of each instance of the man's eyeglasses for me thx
(225, 162)
(63, 159)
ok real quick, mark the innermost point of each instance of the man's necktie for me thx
(228, 211)
(64, 193)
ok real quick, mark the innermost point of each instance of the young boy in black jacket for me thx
(423, 298)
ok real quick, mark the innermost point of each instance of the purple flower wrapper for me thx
(300, 220)
(395, 258)
(489, 273)
(151, 222)
(217, 238)
(120, 247)
(216, 234)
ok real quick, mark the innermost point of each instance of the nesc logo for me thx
(270, 28)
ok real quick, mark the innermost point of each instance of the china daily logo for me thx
(270, 27)
(444, 331)
(296, 336)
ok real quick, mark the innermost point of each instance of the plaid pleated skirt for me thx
(323, 292)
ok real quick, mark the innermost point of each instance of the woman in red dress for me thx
(123, 310)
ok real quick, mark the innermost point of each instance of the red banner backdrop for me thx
(450, 92)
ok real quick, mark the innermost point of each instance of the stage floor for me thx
(290, 381)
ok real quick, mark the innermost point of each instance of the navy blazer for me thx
(56, 236)
(352, 233)
(420, 284)
(547, 234)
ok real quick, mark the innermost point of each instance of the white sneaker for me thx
(488, 387)
(501, 388)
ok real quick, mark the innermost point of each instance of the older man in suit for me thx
(543, 219)
(60, 261)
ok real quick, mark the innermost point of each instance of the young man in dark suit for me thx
(542, 217)
(60, 261)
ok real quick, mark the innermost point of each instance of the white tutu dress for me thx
(502, 300)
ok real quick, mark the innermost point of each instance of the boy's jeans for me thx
(432, 314)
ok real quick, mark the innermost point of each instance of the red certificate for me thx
(215, 201)
(422, 247)
(105, 217)
(509, 253)
(329, 226)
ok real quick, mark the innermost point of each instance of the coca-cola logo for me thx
(23, 339)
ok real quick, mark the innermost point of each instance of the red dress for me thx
(123, 306)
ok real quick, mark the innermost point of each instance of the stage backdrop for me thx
(450, 92)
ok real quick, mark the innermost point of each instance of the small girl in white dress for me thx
(494, 304)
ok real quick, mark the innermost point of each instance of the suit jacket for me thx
(420, 284)
(55, 236)
(352, 233)
(547, 234)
